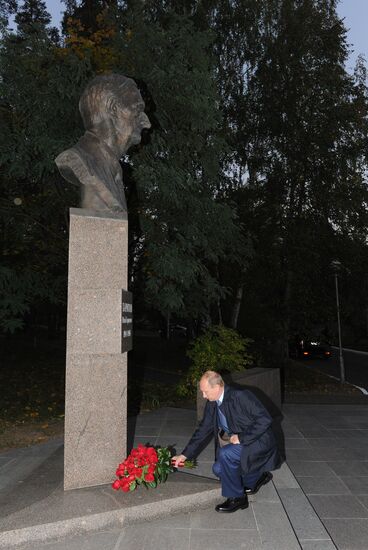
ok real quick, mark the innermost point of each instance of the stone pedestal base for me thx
(96, 370)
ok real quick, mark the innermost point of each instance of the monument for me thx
(99, 320)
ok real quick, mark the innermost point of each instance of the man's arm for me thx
(203, 432)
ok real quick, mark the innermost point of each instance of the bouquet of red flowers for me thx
(147, 466)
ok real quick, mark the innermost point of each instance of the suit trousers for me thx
(227, 468)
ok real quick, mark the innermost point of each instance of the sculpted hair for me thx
(213, 378)
(100, 95)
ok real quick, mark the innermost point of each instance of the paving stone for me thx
(338, 506)
(352, 468)
(283, 478)
(296, 443)
(218, 540)
(18, 470)
(4, 460)
(317, 545)
(336, 422)
(346, 433)
(93, 541)
(176, 441)
(348, 534)
(303, 454)
(150, 537)
(336, 454)
(304, 519)
(144, 440)
(174, 521)
(291, 431)
(364, 500)
(203, 469)
(320, 485)
(170, 429)
(144, 431)
(310, 468)
(321, 442)
(274, 528)
(358, 485)
(267, 493)
(315, 431)
(210, 519)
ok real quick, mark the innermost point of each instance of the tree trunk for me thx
(168, 326)
(236, 307)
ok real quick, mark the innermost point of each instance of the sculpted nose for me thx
(145, 123)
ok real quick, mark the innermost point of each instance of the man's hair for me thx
(100, 94)
(213, 378)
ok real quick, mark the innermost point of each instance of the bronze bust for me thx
(113, 114)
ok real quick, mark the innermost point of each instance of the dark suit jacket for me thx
(246, 417)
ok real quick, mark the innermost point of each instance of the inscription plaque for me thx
(126, 321)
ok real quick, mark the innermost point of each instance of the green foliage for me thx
(220, 349)
(296, 168)
(184, 230)
(259, 136)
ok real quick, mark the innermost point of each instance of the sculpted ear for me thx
(111, 106)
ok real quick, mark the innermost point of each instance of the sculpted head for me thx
(112, 107)
(211, 385)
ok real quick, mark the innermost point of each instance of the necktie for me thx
(222, 419)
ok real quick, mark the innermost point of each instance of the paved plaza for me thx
(318, 500)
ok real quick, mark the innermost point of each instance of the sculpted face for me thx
(129, 119)
(208, 392)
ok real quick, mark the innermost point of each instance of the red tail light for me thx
(305, 352)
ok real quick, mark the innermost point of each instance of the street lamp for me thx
(336, 266)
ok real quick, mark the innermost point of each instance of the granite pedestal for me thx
(96, 368)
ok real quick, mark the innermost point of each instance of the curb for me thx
(114, 519)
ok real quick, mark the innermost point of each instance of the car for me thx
(307, 348)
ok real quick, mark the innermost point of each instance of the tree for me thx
(39, 90)
(185, 231)
(31, 16)
(296, 125)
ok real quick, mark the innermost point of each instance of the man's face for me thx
(130, 119)
(208, 392)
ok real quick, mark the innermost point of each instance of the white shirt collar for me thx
(220, 399)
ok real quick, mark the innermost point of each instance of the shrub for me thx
(219, 348)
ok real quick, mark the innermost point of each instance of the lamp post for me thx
(336, 265)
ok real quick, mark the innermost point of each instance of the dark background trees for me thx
(252, 181)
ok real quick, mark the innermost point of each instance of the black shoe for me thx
(265, 478)
(233, 504)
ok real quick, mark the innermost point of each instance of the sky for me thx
(355, 13)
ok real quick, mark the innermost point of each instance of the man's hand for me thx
(178, 459)
(234, 439)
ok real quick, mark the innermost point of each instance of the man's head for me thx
(112, 107)
(211, 385)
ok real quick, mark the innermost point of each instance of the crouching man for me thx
(246, 450)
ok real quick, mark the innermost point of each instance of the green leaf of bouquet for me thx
(132, 486)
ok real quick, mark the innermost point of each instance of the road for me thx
(356, 366)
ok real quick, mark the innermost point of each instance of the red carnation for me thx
(149, 477)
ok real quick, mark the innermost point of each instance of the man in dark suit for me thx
(246, 449)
